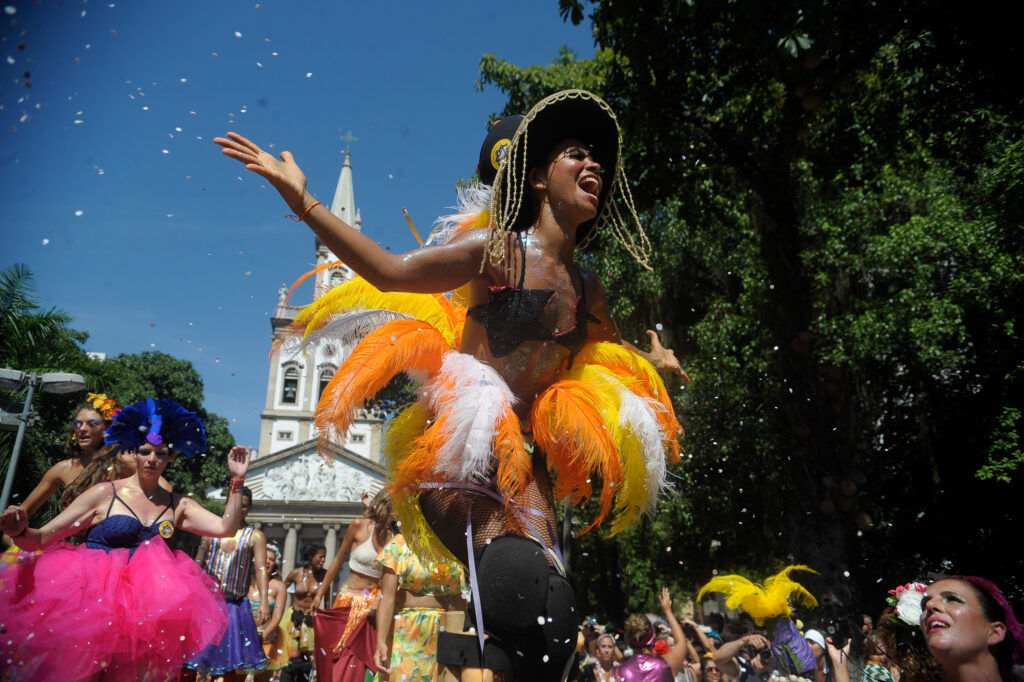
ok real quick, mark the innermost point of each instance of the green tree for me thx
(833, 194)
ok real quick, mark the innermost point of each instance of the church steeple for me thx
(344, 207)
(344, 204)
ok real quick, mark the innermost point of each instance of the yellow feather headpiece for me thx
(762, 602)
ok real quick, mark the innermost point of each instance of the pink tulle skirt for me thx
(71, 612)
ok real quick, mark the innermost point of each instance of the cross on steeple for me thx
(348, 138)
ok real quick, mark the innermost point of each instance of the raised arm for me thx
(336, 563)
(426, 270)
(705, 641)
(677, 654)
(195, 519)
(81, 513)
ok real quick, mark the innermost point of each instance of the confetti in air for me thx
(79, 212)
(45, 241)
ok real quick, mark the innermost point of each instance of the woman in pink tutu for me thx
(122, 606)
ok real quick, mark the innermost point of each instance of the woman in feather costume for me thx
(527, 392)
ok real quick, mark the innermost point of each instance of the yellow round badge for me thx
(499, 151)
(166, 530)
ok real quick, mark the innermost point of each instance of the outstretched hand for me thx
(284, 174)
(664, 359)
(665, 599)
(238, 461)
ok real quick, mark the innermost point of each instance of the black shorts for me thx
(529, 614)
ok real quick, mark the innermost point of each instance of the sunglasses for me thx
(91, 423)
(712, 670)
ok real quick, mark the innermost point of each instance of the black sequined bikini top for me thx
(511, 316)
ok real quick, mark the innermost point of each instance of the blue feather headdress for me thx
(157, 422)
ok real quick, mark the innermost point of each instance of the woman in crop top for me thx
(352, 652)
(522, 368)
(122, 604)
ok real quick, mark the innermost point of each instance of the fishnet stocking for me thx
(446, 510)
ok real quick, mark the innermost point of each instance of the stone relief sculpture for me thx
(308, 477)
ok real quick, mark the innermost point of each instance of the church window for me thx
(358, 438)
(326, 374)
(284, 435)
(290, 391)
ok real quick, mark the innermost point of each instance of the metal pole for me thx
(26, 412)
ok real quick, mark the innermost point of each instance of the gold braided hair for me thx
(510, 187)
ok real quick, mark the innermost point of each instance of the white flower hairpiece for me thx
(906, 600)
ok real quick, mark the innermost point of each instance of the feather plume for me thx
(358, 294)
(398, 345)
(637, 417)
(472, 397)
(348, 328)
(472, 211)
(644, 381)
(762, 603)
(399, 440)
(568, 426)
(637, 437)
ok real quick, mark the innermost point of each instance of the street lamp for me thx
(15, 380)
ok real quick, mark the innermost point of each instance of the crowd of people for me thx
(526, 394)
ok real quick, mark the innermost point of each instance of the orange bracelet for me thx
(302, 217)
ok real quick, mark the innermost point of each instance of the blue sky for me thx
(116, 198)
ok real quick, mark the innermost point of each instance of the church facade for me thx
(302, 495)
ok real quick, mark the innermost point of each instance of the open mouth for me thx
(590, 185)
(937, 624)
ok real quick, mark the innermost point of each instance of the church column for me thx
(291, 539)
(331, 540)
(331, 544)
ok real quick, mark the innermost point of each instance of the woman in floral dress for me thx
(422, 593)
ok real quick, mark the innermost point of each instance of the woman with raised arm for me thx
(644, 665)
(351, 615)
(122, 605)
(521, 366)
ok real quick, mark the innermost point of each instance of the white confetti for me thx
(79, 212)
(238, 34)
(183, 80)
(10, 60)
(45, 241)
(658, 326)
(309, 74)
(165, 152)
(10, 9)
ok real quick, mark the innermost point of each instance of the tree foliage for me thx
(36, 339)
(833, 191)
